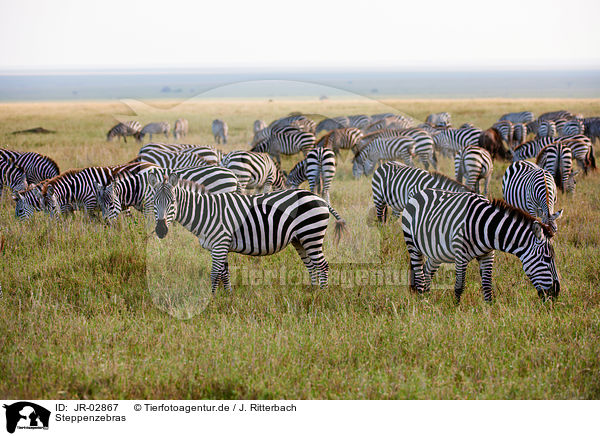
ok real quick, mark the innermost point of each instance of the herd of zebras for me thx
(443, 220)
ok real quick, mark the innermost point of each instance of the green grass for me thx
(89, 311)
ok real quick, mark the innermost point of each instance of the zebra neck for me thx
(193, 210)
(505, 232)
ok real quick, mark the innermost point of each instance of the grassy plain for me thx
(89, 311)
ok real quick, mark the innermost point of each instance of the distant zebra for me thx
(259, 125)
(583, 151)
(254, 171)
(332, 124)
(518, 117)
(163, 154)
(557, 159)
(347, 138)
(181, 128)
(451, 141)
(572, 127)
(288, 143)
(519, 134)
(401, 147)
(37, 167)
(12, 175)
(441, 119)
(395, 183)
(546, 128)
(475, 164)
(220, 131)
(506, 129)
(318, 168)
(390, 122)
(153, 129)
(359, 121)
(531, 148)
(255, 225)
(301, 122)
(448, 227)
(531, 188)
(129, 128)
(553, 116)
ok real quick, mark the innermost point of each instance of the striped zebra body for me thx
(451, 141)
(347, 138)
(423, 150)
(556, 115)
(153, 129)
(583, 151)
(506, 129)
(288, 143)
(332, 124)
(255, 225)
(572, 128)
(401, 147)
(220, 131)
(259, 125)
(395, 183)
(531, 188)
(518, 117)
(475, 164)
(441, 119)
(254, 170)
(37, 167)
(320, 171)
(531, 149)
(360, 121)
(390, 122)
(376, 117)
(519, 134)
(12, 175)
(180, 128)
(163, 154)
(123, 130)
(300, 122)
(448, 227)
(557, 159)
(546, 128)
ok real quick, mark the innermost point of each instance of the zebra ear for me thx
(152, 179)
(173, 179)
(557, 215)
(538, 231)
(17, 196)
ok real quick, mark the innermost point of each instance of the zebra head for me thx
(539, 263)
(51, 205)
(13, 175)
(28, 201)
(109, 201)
(164, 201)
(549, 219)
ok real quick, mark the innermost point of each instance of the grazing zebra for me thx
(553, 116)
(518, 117)
(164, 154)
(180, 129)
(220, 131)
(394, 183)
(401, 147)
(332, 124)
(451, 141)
(424, 149)
(390, 122)
(441, 119)
(130, 128)
(318, 168)
(153, 129)
(347, 138)
(546, 128)
(519, 134)
(475, 164)
(531, 188)
(572, 127)
(37, 167)
(259, 125)
(449, 227)
(287, 142)
(506, 129)
(557, 159)
(300, 122)
(28, 201)
(255, 225)
(583, 151)
(12, 175)
(531, 148)
(254, 170)
(130, 188)
(359, 121)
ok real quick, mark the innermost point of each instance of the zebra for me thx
(12, 175)
(506, 129)
(531, 148)
(332, 124)
(451, 141)
(300, 122)
(129, 128)
(394, 183)
(254, 170)
(546, 128)
(467, 125)
(531, 188)
(474, 163)
(180, 128)
(391, 122)
(450, 227)
(346, 138)
(318, 168)
(441, 119)
(163, 154)
(359, 121)
(572, 127)
(287, 142)
(37, 167)
(130, 187)
(28, 201)
(259, 125)
(591, 128)
(519, 134)
(553, 116)
(377, 117)
(152, 129)
(383, 149)
(583, 151)
(255, 225)
(518, 117)
(220, 131)
(557, 159)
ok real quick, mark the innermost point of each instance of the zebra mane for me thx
(521, 215)
(55, 179)
(192, 186)
(440, 176)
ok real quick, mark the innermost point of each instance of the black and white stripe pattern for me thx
(448, 227)
(557, 159)
(123, 130)
(389, 122)
(583, 151)
(572, 127)
(37, 167)
(506, 129)
(300, 122)
(474, 164)
(180, 128)
(531, 188)
(254, 170)
(347, 138)
(154, 129)
(532, 148)
(318, 168)
(546, 128)
(288, 142)
(401, 147)
(518, 117)
(451, 141)
(164, 155)
(255, 225)
(220, 130)
(12, 175)
(519, 134)
(395, 183)
(441, 119)
(556, 115)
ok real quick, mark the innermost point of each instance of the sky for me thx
(307, 34)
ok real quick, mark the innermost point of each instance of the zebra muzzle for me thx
(161, 228)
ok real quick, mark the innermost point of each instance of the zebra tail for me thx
(340, 225)
(592, 158)
(435, 159)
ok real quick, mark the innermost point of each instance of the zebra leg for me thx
(416, 265)
(380, 210)
(219, 259)
(312, 270)
(431, 267)
(459, 286)
(315, 252)
(225, 277)
(486, 264)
